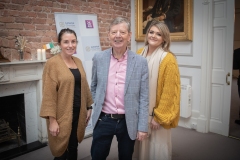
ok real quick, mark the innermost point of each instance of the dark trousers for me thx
(71, 152)
(103, 134)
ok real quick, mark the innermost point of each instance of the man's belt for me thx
(113, 116)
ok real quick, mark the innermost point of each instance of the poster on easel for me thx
(86, 28)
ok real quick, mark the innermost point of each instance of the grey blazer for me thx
(135, 93)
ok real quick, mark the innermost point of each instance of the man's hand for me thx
(154, 124)
(141, 135)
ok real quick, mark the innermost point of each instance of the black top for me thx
(77, 88)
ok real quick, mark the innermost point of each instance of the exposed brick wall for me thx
(34, 19)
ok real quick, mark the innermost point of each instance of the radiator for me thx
(186, 101)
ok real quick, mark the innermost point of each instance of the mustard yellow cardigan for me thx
(167, 109)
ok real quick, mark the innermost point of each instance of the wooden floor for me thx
(187, 145)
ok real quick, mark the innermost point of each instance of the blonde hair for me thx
(164, 33)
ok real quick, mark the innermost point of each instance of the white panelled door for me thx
(223, 31)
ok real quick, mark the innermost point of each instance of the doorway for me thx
(234, 126)
(234, 130)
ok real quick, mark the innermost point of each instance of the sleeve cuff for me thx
(89, 107)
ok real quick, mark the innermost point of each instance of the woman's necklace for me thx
(70, 63)
(149, 57)
(150, 53)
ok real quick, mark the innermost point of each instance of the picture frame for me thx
(181, 29)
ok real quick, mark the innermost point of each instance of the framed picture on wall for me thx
(176, 14)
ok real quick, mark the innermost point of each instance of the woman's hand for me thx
(53, 126)
(89, 112)
(154, 124)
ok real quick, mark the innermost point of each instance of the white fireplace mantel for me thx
(20, 71)
(21, 62)
(26, 77)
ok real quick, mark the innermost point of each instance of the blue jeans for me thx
(103, 134)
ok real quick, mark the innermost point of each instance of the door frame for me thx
(206, 65)
(203, 121)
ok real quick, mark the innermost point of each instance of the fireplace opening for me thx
(12, 122)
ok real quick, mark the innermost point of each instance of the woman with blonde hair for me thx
(164, 93)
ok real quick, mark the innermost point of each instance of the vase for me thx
(21, 53)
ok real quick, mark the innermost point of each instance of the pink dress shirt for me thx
(114, 99)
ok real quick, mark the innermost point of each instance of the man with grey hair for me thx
(120, 92)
